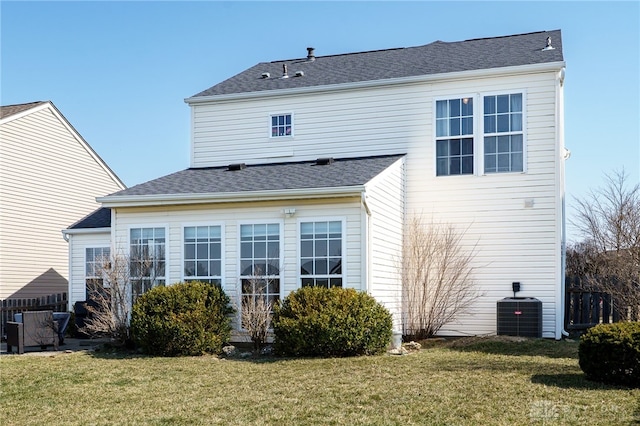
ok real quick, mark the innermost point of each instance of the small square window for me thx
(281, 125)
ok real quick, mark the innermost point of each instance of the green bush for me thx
(182, 319)
(316, 321)
(610, 353)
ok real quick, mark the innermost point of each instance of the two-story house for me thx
(49, 177)
(306, 170)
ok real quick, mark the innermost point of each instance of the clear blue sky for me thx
(119, 71)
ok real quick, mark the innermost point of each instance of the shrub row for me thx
(610, 353)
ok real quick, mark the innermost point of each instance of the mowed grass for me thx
(467, 382)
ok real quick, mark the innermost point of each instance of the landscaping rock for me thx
(229, 351)
(398, 351)
(412, 346)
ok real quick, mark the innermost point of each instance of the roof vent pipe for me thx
(549, 46)
(310, 55)
(284, 71)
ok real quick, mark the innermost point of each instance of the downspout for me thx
(366, 244)
(69, 240)
(562, 157)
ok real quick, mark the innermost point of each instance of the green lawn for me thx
(462, 383)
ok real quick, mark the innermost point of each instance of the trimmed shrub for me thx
(317, 321)
(610, 353)
(182, 319)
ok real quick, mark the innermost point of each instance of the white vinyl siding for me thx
(49, 181)
(78, 244)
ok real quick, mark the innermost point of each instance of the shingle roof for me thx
(265, 177)
(100, 218)
(6, 111)
(434, 58)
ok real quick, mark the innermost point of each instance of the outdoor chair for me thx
(36, 329)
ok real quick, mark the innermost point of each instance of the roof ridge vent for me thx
(549, 46)
(236, 166)
(310, 54)
(325, 161)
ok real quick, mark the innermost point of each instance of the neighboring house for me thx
(49, 177)
(307, 169)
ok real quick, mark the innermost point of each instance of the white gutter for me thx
(228, 197)
(67, 232)
(458, 75)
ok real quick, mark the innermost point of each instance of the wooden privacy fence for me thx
(9, 307)
(585, 308)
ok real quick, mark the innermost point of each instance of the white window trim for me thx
(525, 138)
(87, 277)
(166, 245)
(222, 248)
(478, 132)
(343, 221)
(475, 97)
(293, 128)
(238, 285)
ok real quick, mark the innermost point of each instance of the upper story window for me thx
(454, 137)
(147, 259)
(203, 254)
(503, 133)
(281, 125)
(321, 253)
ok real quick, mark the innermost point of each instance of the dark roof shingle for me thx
(265, 177)
(100, 218)
(434, 58)
(7, 110)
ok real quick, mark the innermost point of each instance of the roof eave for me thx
(458, 75)
(229, 197)
(75, 231)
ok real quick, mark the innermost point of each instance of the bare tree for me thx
(111, 296)
(437, 277)
(256, 311)
(609, 220)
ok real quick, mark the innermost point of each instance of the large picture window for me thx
(503, 133)
(203, 254)
(147, 259)
(321, 253)
(454, 137)
(260, 260)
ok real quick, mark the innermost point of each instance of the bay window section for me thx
(454, 137)
(203, 254)
(321, 253)
(147, 259)
(260, 261)
(503, 133)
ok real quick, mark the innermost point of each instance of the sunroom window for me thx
(321, 253)
(203, 254)
(260, 261)
(147, 259)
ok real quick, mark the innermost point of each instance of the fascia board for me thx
(458, 75)
(228, 197)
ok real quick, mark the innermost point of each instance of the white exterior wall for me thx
(78, 243)
(514, 242)
(385, 198)
(230, 217)
(49, 179)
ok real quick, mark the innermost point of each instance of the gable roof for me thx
(7, 110)
(100, 218)
(11, 113)
(219, 182)
(435, 58)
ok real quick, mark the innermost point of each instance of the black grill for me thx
(520, 316)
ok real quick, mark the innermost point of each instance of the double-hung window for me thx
(454, 137)
(97, 261)
(321, 253)
(203, 254)
(503, 133)
(260, 260)
(147, 259)
(281, 125)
